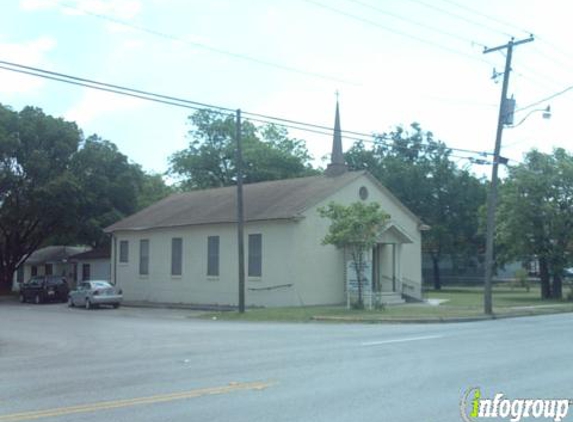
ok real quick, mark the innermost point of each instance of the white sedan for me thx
(94, 293)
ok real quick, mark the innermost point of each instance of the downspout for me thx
(394, 267)
(114, 258)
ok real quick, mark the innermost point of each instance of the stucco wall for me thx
(321, 268)
(194, 286)
(293, 257)
(100, 269)
(57, 269)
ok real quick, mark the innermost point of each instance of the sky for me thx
(393, 62)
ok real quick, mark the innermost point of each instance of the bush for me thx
(570, 293)
(522, 279)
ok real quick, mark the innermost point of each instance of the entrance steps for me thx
(390, 298)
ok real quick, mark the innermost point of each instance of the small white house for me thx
(92, 265)
(50, 260)
(184, 248)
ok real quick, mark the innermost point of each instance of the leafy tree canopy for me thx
(535, 216)
(38, 190)
(210, 159)
(419, 171)
(111, 188)
(56, 187)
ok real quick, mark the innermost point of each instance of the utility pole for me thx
(492, 200)
(240, 214)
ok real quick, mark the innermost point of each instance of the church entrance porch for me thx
(382, 282)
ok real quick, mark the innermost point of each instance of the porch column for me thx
(393, 267)
(398, 264)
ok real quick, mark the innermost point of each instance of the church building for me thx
(183, 249)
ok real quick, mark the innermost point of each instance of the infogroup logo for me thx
(474, 407)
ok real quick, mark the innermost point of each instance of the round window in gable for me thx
(363, 193)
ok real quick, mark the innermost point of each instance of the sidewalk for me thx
(516, 312)
(184, 306)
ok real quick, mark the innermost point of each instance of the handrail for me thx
(411, 285)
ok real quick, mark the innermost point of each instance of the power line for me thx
(550, 97)
(556, 48)
(540, 75)
(82, 81)
(212, 49)
(459, 17)
(100, 88)
(369, 138)
(491, 18)
(395, 31)
(353, 135)
(473, 11)
(195, 105)
(280, 66)
(90, 83)
(539, 82)
(416, 23)
(558, 62)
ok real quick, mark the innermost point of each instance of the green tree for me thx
(354, 228)
(57, 188)
(535, 216)
(111, 188)
(418, 169)
(38, 191)
(210, 160)
(153, 188)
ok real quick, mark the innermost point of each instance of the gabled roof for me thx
(52, 254)
(393, 232)
(98, 253)
(274, 200)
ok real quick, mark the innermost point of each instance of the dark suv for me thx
(44, 288)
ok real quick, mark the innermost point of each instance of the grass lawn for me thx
(503, 297)
(464, 302)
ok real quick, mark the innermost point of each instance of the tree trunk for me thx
(544, 276)
(6, 279)
(358, 267)
(436, 267)
(557, 288)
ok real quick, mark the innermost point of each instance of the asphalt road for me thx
(139, 365)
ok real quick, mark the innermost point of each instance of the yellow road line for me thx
(115, 404)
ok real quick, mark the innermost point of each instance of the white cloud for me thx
(30, 53)
(119, 9)
(31, 5)
(97, 104)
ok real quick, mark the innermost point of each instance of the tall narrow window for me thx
(255, 255)
(20, 274)
(213, 255)
(176, 255)
(123, 251)
(48, 268)
(86, 272)
(34, 271)
(144, 257)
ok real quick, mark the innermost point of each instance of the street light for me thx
(505, 119)
(546, 115)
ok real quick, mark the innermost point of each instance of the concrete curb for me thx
(12, 297)
(433, 320)
(412, 320)
(191, 307)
